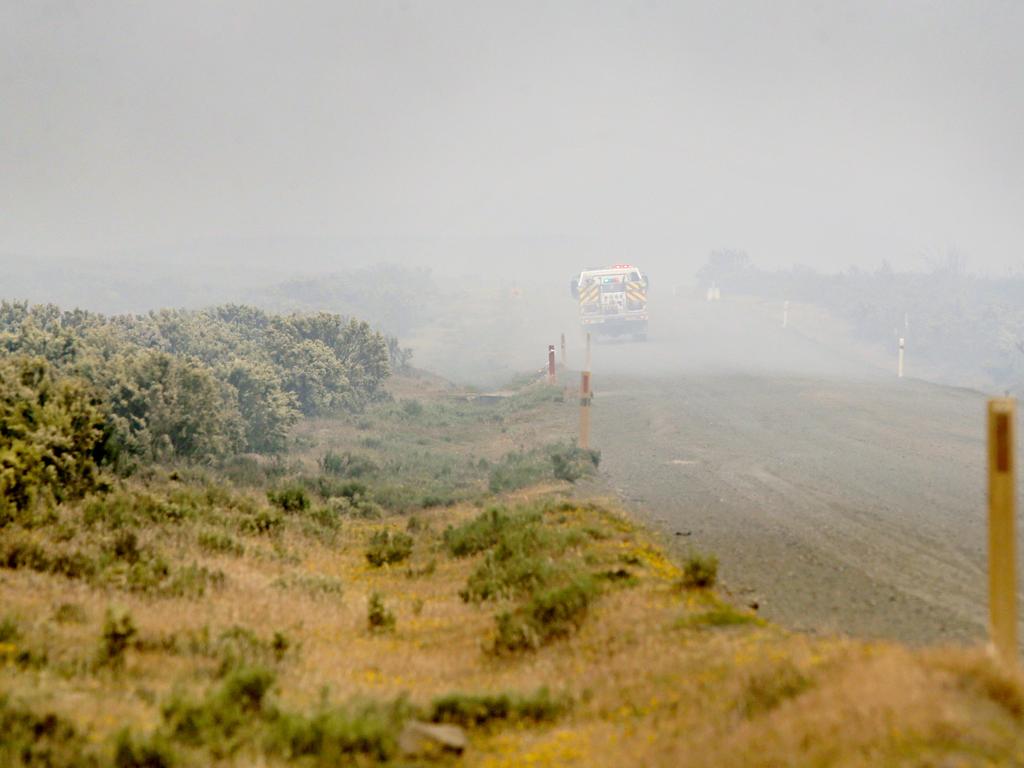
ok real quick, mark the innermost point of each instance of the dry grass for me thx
(647, 688)
(658, 674)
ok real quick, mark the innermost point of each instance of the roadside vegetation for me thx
(413, 581)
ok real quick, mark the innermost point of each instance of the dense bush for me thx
(52, 436)
(387, 548)
(573, 462)
(486, 529)
(550, 614)
(200, 385)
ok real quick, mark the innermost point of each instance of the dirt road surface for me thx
(836, 497)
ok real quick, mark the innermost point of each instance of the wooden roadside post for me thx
(585, 409)
(551, 363)
(1002, 536)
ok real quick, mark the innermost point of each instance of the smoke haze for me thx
(509, 139)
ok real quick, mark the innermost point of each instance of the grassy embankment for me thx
(413, 562)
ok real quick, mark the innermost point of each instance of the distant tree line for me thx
(395, 298)
(971, 327)
(175, 384)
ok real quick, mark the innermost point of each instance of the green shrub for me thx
(239, 713)
(484, 531)
(290, 499)
(517, 565)
(573, 462)
(413, 409)
(700, 571)
(22, 553)
(53, 435)
(550, 614)
(264, 522)
(519, 469)
(138, 752)
(226, 717)
(126, 509)
(378, 617)
(347, 464)
(117, 635)
(431, 500)
(192, 581)
(387, 548)
(240, 648)
(471, 711)
(361, 734)
(219, 543)
(32, 740)
(125, 546)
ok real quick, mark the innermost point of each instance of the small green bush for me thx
(219, 543)
(125, 546)
(413, 409)
(240, 648)
(226, 717)
(519, 469)
(192, 581)
(117, 635)
(140, 752)
(22, 553)
(264, 522)
(549, 615)
(363, 733)
(485, 530)
(347, 464)
(700, 572)
(378, 617)
(387, 548)
(290, 499)
(573, 462)
(470, 711)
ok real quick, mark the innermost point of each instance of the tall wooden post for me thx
(1002, 524)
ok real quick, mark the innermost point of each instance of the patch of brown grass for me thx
(650, 685)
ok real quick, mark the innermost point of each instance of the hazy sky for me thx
(523, 135)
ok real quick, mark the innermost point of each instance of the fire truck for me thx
(613, 301)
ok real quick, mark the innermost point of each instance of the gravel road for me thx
(836, 497)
